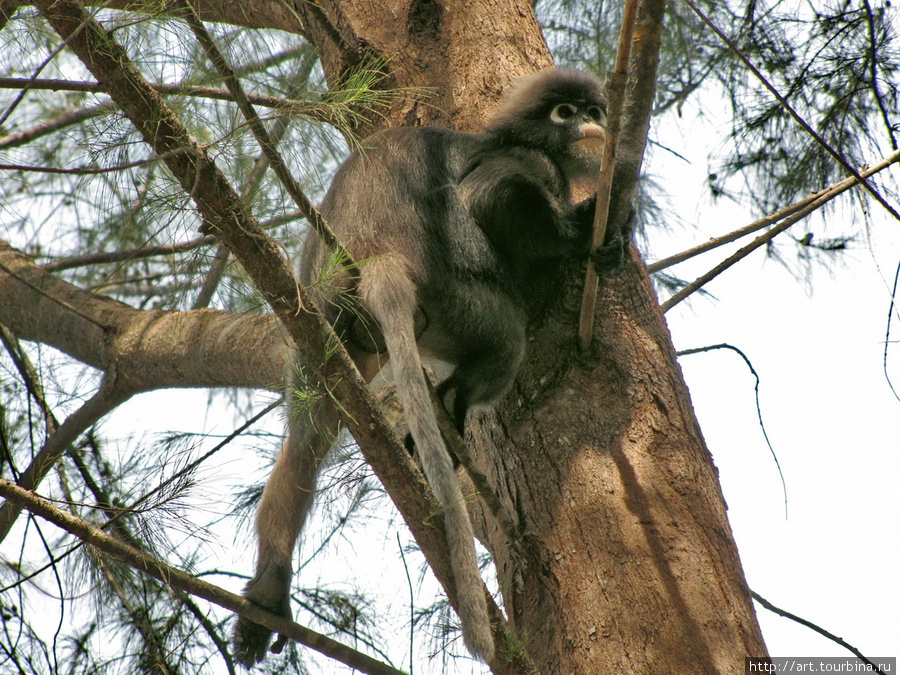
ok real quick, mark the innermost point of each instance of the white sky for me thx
(828, 410)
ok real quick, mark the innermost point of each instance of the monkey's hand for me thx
(614, 251)
(270, 589)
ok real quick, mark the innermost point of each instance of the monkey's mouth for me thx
(592, 140)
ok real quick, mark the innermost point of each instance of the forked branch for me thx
(791, 214)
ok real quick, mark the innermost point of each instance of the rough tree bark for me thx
(630, 564)
(626, 563)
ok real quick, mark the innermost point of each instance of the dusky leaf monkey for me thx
(446, 227)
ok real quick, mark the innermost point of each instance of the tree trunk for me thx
(629, 562)
(631, 566)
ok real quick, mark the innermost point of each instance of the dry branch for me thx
(615, 92)
(819, 200)
(176, 579)
(772, 218)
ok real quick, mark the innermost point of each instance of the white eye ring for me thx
(596, 113)
(563, 113)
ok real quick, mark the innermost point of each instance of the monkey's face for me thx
(579, 127)
(585, 128)
(560, 112)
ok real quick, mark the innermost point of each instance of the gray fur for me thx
(446, 226)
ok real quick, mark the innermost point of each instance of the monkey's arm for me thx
(519, 201)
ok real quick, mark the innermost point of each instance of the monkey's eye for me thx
(563, 112)
(596, 114)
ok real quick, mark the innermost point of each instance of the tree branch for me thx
(126, 255)
(803, 622)
(263, 138)
(819, 198)
(57, 444)
(47, 127)
(798, 215)
(138, 350)
(322, 111)
(181, 581)
(142, 350)
(615, 91)
(249, 14)
(638, 105)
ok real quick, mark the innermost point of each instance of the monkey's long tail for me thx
(390, 294)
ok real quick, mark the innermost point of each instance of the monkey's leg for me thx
(490, 346)
(313, 427)
(282, 512)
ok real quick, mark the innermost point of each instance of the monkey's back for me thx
(398, 196)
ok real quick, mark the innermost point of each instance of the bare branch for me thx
(803, 622)
(50, 126)
(176, 579)
(798, 215)
(145, 349)
(253, 14)
(615, 92)
(127, 255)
(770, 219)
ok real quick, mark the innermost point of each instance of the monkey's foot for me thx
(270, 589)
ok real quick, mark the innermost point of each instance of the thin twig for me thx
(740, 254)
(129, 254)
(257, 174)
(27, 168)
(57, 444)
(793, 113)
(310, 110)
(821, 631)
(47, 127)
(262, 136)
(313, 110)
(615, 92)
(759, 415)
(887, 331)
(151, 251)
(772, 218)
